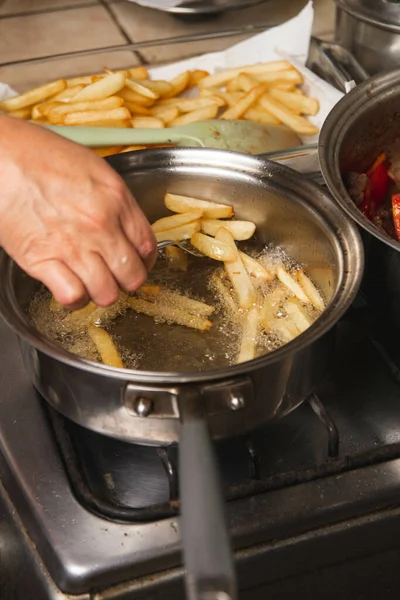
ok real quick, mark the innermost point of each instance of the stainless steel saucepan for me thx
(363, 124)
(153, 407)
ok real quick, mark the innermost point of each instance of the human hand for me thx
(68, 219)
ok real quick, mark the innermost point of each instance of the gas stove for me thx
(313, 501)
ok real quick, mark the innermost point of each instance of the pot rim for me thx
(347, 238)
(365, 18)
(332, 134)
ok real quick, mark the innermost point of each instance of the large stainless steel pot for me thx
(157, 407)
(370, 30)
(363, 124)
(144, 407)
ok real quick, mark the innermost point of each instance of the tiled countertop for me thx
(44, 28)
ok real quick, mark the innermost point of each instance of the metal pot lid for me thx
(382, 13)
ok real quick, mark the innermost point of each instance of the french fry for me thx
(246, 82)
(224, 294)
(163, 88)
(249, 336)
(220, 79)
(234, 85)
(202, 114)
(105, 87)
(228, 98)
(138, 109)
(240, 230)
(296, 102)
(176, 220)
(83, 81)
(169, 314)
(295, 122)
(102, 315)
(147, 123)
(178, 234)
(215, 249)
(22, 113)
(211, 210)
(235, 112)
(33, 96)
(165, 113)
(178, 258)
(105, 347)
(255, 268)
(291, 284)
(138, 73)
(196, 76)
(191, 104)
(107, 150)
(298, 315)
(88, 117)
(46, 107)
(178, 301)
(131, 96)
(140, 88)
(310, 290)
(56, 113)
(284, 329)
(36, 113)
(132, 149)
(272, 303)
(67, 94)
(237, 273)
(81, 317)
(148, 290)
(290, 76)
(178, 84)
(260, 116)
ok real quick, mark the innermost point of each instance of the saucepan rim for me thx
(346, 236)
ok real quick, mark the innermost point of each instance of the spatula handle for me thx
(109, 136)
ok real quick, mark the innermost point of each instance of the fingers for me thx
(124, 262)
(96, 278)
(65, 286)
(139, 233)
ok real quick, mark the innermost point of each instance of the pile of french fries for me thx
(265, 93)
(257, 297)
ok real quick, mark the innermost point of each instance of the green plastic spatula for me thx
(239, 136)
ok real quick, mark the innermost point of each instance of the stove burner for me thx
(96, 490)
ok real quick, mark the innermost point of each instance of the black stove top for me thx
(320, 487)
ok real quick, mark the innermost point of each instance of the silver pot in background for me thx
(370, 30)
(363, 124)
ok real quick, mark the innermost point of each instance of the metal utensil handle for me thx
(210, 572)
(334, 63)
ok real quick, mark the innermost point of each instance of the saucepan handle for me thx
(335, 64)
(209, 565)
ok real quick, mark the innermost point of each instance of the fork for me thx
(182, 245)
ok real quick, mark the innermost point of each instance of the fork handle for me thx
(165, 243)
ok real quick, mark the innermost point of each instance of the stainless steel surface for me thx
(306, 223)
(370, 30)
(303, 159)
(184, 246)
(382, 13)
(204, 7)
(334, 64)
(363, 124)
